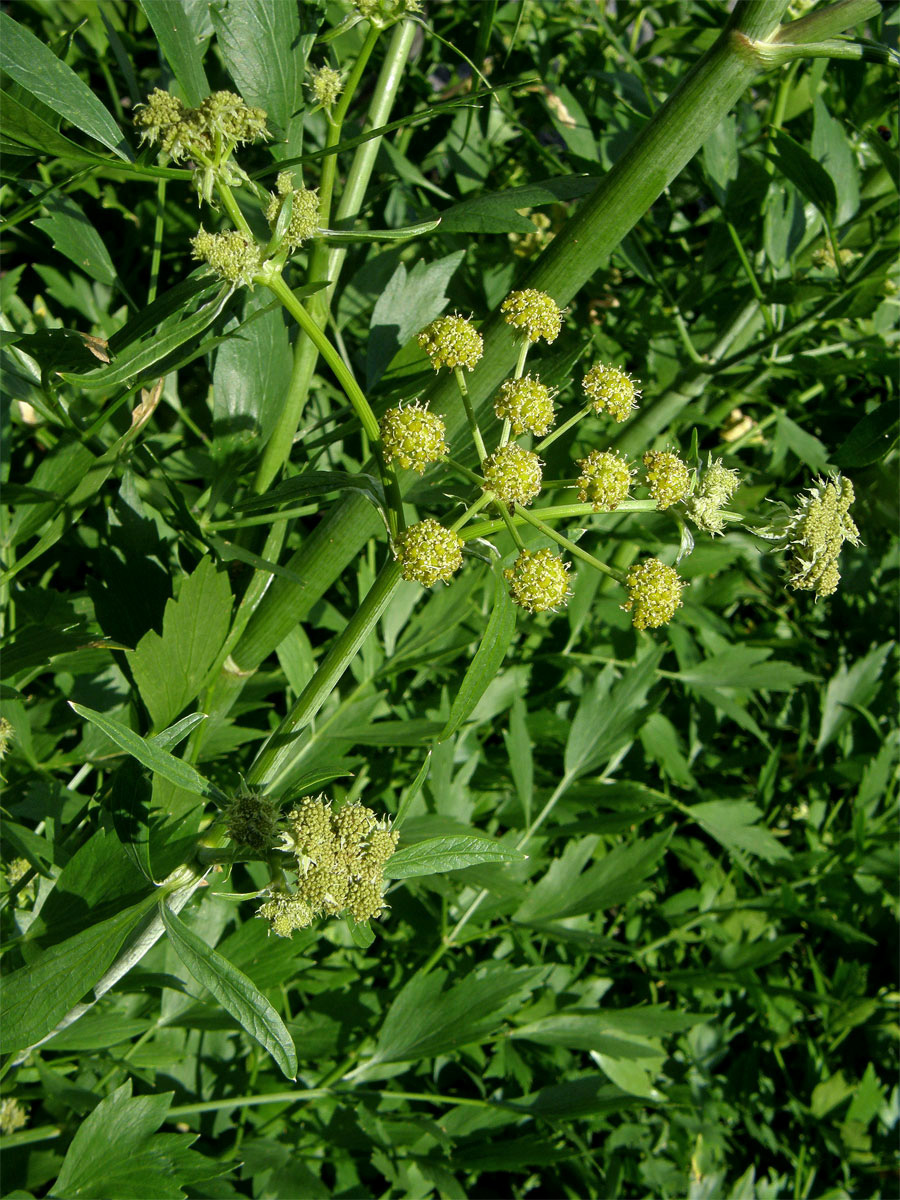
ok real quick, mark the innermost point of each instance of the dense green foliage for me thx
(642, 920)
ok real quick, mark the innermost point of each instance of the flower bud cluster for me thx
(304, 217)
(514, 475)
(383, 13)
(533, 313)
(326, 85)
(527, 404)
(251, 820)
(610, 390)
(206, 133)
(667, 476)
(654, 594)
(428, 553)
(451, 342)
(717, 485)
(538, 580)
(340, 865)
(816, 534)
(413, 435)
(13, 1115)
(230, 254)
(604, 480)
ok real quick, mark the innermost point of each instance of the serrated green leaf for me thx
(237, 994)
(170, 670)
(116, 1151)
(37, 69)
(848, 687)
(36, 997)
(435, 855)
(408, 302)
(265, 47)
(182, 774)
(733, 823)
(746, 667)
(424, 1020)
(619, 875)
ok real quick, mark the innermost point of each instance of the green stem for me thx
(470, 414)
(572, 547)
(557, 512)
(275, 757)
(226, 195)
(751, 276)
(158, 224)
(561, 429)
(510, 525)
(326, 261)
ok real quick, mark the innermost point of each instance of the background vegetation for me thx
(688, 987)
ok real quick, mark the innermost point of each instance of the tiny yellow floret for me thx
(654, 594)
(413, 435)
(610, 390)
(538, 580)
(604, 480)
(428, 553)
(527, 404)
(451, 342)
(533, 313)
(668, 477)
(514, 475)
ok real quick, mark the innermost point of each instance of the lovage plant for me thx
(448, 513)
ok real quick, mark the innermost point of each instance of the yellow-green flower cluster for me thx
(451, 342)
(251, 820)
(304, 215)
(13, 1115)
(604, 480)
(527, 404)
(534, 313)
(229, 254)
(668, 477)
(340, 865)
(6, 736)
(428, 552)
(413, 435)
(216, 126)
(15, 871)
(326, 85)
(610, 390)
(385, 12)
(514, 475)
(538, 580)
(718, 484)
(816, 535)
(654, 593)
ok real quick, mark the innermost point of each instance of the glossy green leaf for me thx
(74, 236)
(237, 994)
(179, 47)
(871, 439)
(182, 774)
(139, 362)
(848, 687)
(39, 995)
(265, 47)
(804, 172)
(37, 69)
(748, 667)
(451, 853)
(116, 1151)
